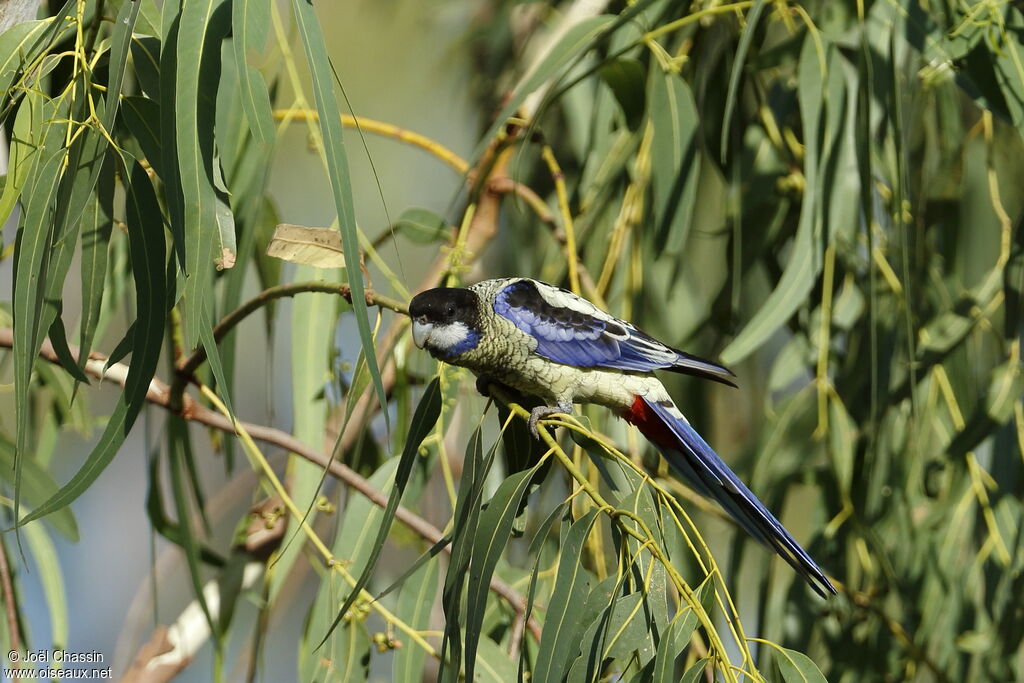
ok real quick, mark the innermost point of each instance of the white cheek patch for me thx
(445, 337)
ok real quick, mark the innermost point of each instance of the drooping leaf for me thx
(250, 22)
(567, 48)
(804, 260)
(47, 565)
(202, 26)
(313, 322)
(415, 602)
(672, 644)
(148, 254)
(466, 522)
(38, 485)
(32, 258)
(341, 186)
(97, 223)
(423, 227)
(560, 636)
(625, 77)
(427, 412)
(739, 59)
(797, 667)
(675, 158)
(491, 537)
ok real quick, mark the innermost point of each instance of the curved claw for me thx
(541, 412)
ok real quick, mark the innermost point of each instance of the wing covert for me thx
(572, 331)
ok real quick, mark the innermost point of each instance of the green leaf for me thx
(695, 672)
(24, 148)
(629, 630)
(675, 158)
(559, 640)
(59, 341)
(341, 186)
(570, 48)
(146, 60)
(805, 262)
(1008, 65)
(250, 22)
(179, 448)
(796, 667)
(594, 615)
(32, 257)
(464, 528)
(97, 223)
(625, 77)
(38, 485)
(621, 631)
(346, 656)
(415, 603)
(536, 551)
(142, 116)
(47, 568)
(313, 321)
(21, 44)
(169, 167)
(842, 443)
(164, 525)
(673, 642)
(360, 518)
(120, 44)
(490, 540)
(148, 255)
(423, 421)
(423, 226)
(493, 664)
(738, 62)
(203, 24)
(353, 545)
(231, 583)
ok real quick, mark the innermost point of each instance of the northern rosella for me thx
(553, 344)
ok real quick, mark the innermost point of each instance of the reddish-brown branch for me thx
(10, 606)
(159, 394)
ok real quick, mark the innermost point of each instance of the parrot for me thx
(550, 343)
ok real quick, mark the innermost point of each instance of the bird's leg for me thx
(540, 412)
(484, 384)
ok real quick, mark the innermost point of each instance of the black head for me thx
(445, 321)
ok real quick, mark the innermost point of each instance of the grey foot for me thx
(541, 412)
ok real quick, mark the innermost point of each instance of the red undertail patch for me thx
(649, 424)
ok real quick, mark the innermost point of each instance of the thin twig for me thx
(506, 185)
(159, 394)
(187, 367)
(382, 128)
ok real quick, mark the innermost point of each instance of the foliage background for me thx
(825, 195)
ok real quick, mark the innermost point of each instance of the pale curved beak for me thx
(421, 332)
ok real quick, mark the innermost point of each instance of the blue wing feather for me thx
(700, 466)
(574, 337)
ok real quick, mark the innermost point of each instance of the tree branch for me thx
(159, 394)
(187, 367)
(10, 607)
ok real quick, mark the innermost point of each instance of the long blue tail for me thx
(700, 467)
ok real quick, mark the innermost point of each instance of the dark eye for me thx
(449, 311)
